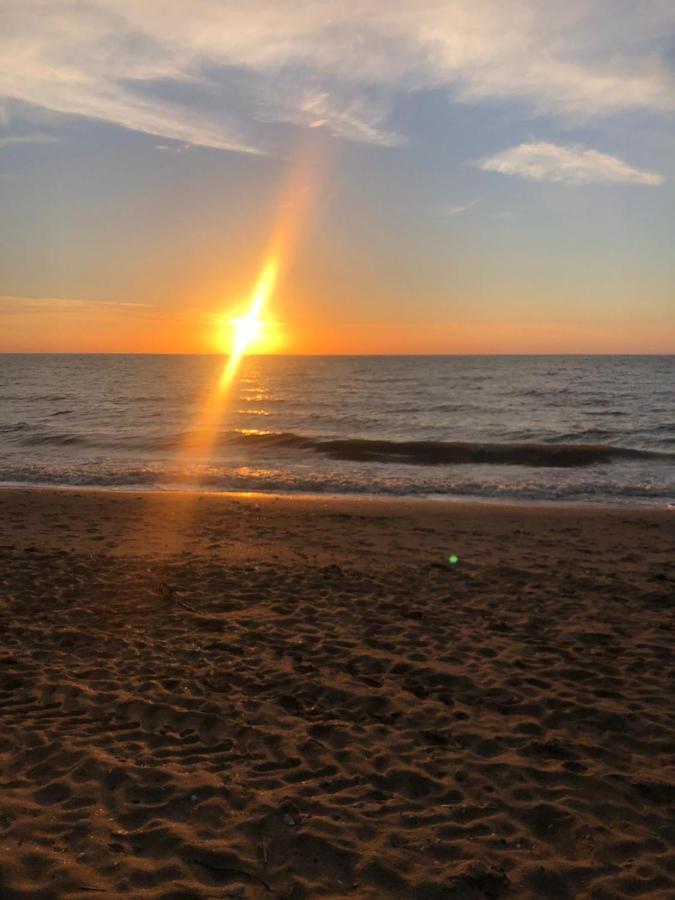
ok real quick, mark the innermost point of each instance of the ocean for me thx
(570, 428)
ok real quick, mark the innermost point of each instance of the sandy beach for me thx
(263, 697)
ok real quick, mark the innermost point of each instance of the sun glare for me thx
(250, 329)
(247, 332)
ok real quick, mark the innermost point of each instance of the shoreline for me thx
(290, 526)
(666, 506)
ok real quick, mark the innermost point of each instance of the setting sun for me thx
(247, 331)
(251, 331)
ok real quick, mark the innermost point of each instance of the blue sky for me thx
(498, 176)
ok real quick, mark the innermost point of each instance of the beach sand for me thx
(256, 697)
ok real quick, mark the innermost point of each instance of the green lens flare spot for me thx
(453, 560)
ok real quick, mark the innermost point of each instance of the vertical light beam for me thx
(294, 204)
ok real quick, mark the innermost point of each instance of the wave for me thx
(434, 453)
(444, 453)
(562, 454)
(55, 439)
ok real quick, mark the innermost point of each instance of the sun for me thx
(251, 331)
(237, 335)
(248, 333)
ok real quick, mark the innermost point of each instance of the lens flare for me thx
(248, 328)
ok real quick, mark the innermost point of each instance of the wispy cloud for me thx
(14, 305)
(541, 161)
(37, 138)
(459, 208)
(204, 73)
(355, 118)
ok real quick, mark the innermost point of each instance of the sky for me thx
(465, 176)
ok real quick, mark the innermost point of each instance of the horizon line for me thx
(319, 355)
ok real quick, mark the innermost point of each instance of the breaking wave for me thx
(419, 453)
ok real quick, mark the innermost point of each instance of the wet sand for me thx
(255, 697)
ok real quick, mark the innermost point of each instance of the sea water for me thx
(577, 428)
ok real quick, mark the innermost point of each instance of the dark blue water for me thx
(571, 428)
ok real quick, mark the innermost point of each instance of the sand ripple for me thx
(190, 728)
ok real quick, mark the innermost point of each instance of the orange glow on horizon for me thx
(88, 328)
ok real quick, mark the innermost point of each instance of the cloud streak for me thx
(11, 305)
(541, 161)
(459, 208)
(37, 138)
(211, 72)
